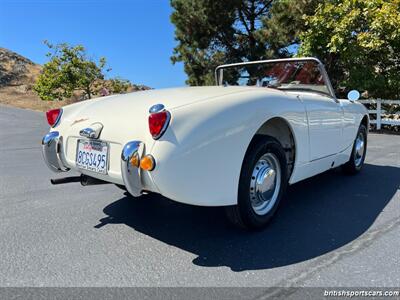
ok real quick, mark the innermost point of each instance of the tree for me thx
(214, 32)
(359, 42)
(286, 21)
(68, 70)
(119, 85)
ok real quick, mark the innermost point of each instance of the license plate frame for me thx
(95, 162)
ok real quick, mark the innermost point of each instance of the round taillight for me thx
(158, 121)
(53, 116)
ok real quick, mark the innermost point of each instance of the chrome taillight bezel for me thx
(160, 108)
(58, 118)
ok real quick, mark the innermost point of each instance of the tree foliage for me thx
(211, 32)
(71, 71)
(359, 42)
(118, 85)
(68, 70)
(286, 21)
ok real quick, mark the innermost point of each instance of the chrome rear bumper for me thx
(51, 148)
(130, 172)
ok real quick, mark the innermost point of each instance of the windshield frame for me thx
(219, 71)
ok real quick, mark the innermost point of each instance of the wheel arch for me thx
(365, 121)
(216, 142)
(280, 129)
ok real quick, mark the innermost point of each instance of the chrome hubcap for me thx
(265, 183)
(359, 149)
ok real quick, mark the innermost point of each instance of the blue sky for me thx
(135, 36)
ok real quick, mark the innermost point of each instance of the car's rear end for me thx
(111, 138)
(106, 139)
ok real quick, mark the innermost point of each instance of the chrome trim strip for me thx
(323, 157)
(130, 173)
(51, 147)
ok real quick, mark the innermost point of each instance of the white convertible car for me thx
(266, 124)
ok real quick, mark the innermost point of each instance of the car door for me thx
(325, 121)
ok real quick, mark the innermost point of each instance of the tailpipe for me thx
(87, 180)
(64, 180)
(83, 179)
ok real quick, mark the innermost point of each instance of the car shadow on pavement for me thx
(319, 215)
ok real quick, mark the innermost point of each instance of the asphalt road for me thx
(333, 230)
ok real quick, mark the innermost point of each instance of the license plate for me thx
(92, 156)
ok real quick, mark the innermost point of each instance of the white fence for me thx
(379, 121)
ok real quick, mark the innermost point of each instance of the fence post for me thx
(378, 113)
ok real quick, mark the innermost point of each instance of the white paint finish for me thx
(325, 119)
(351, 120)
(315, 167)
(206, 144)
(200, 156)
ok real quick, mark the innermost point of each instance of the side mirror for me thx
(353, 95)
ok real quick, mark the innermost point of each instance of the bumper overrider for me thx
(130, 159)
(51, 149)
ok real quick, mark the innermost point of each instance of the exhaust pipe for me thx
(65, 180)
(83, 179)
(87, 180)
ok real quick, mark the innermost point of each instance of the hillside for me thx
(16, 70)
(17, 76)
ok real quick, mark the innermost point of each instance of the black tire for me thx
(351, 167)
(243, 215)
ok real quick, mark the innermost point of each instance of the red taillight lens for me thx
(158, 123)
(53, 116)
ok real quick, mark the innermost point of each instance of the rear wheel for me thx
(356, 162)
(263, 181)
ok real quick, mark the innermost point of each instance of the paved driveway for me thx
(333, 230)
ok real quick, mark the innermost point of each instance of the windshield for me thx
(282, 75)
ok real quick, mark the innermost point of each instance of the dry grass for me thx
(17, 77)
(19, 97)
(22, 96)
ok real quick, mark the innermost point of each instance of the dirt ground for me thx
(21, 98)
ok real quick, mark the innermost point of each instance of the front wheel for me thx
(262, 183)
(356, 162)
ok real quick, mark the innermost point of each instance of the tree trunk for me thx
(88, 93)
